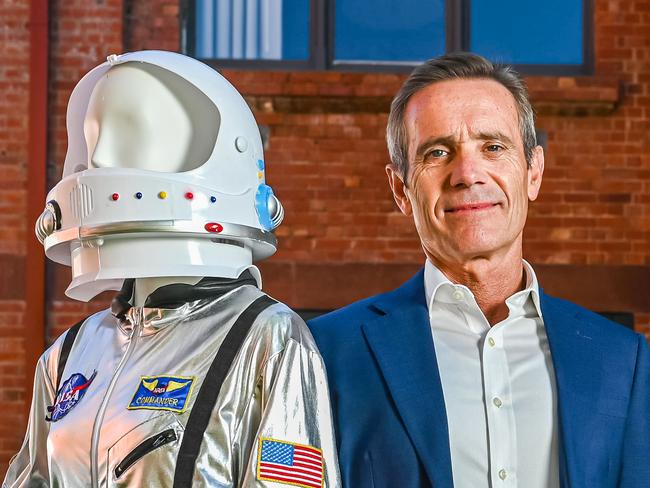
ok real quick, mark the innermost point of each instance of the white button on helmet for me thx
(164, 176)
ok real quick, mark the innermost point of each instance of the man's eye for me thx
(437, 153)
(494, 148)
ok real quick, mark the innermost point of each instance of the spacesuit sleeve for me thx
(28, 468)
(295, 443)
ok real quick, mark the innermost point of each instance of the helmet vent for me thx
(81, 201)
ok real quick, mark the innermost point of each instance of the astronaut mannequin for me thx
(116, 136)
(195, 377)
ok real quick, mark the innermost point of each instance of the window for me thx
(550, 37)
(533, 34)
(252, 29)
(387, 31)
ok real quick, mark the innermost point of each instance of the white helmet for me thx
(133, 214)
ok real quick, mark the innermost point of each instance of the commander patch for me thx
(163, 393)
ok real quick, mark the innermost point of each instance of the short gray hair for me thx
(451, 66)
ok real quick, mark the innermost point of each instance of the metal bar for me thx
(321, 32)
(588, 63)
(453, 25)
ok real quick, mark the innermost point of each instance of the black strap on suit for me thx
(70, 337)
(209, 392)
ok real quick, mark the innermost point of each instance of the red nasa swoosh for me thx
(85, 385)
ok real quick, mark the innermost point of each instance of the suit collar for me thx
(400, 338)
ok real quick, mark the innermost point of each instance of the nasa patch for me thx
(71, 392)
(162, 393)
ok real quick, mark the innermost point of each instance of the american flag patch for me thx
(289, 463)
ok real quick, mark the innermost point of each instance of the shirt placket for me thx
(500, 416)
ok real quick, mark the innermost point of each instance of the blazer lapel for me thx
(577, 374)
(403, 346)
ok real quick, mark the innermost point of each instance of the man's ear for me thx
(400, 192)
(535, 172)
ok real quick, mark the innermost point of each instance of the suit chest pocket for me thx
(146, 455)
(144, 448)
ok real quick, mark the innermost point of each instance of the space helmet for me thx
(151, 192)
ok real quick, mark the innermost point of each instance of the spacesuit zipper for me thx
(99, 418)
(145, 447)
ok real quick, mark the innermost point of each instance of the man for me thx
(469, 375)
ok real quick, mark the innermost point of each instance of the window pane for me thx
(527, 32)
(389, 30)
(252, 29)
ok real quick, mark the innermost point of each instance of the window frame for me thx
(322, 38)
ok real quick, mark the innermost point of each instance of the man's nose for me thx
(466, 170)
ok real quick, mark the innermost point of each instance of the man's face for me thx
(468, 183)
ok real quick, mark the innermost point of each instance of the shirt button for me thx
(458, 295)
(503, 474)
(497, 403)
(492, 342)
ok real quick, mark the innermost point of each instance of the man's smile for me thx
(466, 208)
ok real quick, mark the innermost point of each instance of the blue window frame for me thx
(550, 37)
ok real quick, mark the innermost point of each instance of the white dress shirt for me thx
(498, 384)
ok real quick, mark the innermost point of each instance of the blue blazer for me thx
(389, 410)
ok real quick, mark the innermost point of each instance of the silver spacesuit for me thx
(275, 390)
(195, 377)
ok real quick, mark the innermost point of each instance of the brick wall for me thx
(14, 86)
(343, 238)
(81, 33)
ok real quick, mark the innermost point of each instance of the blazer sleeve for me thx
(636, 442)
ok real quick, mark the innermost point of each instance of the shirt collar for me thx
(438, 287)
